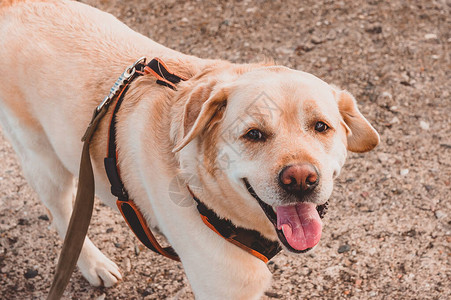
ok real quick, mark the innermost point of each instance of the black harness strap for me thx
(249, 240)
(126, 206)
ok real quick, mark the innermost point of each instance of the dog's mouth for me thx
(298, 226)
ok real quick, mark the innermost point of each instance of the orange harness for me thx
(249, 240)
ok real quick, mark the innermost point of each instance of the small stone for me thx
(430, 36)
(439, 214)
(127, 264)
(44, 217)
(31, 273)
(304, 48)
(23, 222)
(137, 250)
(344, 248)
(424, 125)
(101, 297)
(395, 120)
(316, 40)
(374, 30)
(404, 172)
(109, 230)
(429, 187)
(273, 295)
(382, 157)
(387, 95)
(284, 50)
(251, 9)
(147, 292)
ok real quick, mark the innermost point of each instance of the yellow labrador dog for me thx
(244, 134)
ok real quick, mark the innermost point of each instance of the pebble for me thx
(382, 157)
(273, 295)
(43, 217)
(316, 40)
(285, 51)
(404, 172)
(101, 297)
(424, 125)
(31, 273)
(387, 95)
(439, 214)
(395, 120)
(23, 222)
(344, 248)
(374, 30)
(127, 264)
(430, 36)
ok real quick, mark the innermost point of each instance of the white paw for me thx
(97, 268)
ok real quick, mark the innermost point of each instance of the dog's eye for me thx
(254, 135)
(321, 126)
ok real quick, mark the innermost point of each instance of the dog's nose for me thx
(299, 178)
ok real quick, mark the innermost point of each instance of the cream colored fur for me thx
(60, 58)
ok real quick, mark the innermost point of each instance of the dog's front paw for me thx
(97, 268)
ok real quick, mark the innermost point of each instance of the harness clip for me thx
(120, 82)
(117, 87)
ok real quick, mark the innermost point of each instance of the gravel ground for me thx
(388, 231)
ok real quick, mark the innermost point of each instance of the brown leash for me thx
(84, 201)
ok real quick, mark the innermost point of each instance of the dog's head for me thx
(270, 136)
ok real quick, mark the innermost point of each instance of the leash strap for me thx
(84, 200)
(79, 222)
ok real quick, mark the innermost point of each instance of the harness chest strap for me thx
(130, 212)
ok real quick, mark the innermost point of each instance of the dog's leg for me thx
(54, 185)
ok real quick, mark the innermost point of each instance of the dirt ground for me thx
(388, 231)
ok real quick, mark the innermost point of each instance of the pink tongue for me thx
(300, 224)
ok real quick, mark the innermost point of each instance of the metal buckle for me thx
(125, 77)
(120, 82)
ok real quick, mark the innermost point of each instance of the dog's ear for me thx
(361, 136)
(204, 108)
